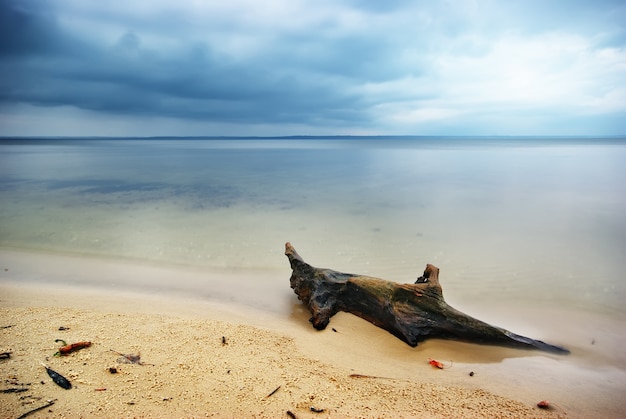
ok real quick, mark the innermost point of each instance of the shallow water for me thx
(530, 221)
(521, 219)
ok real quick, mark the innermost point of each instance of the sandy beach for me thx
(204, 358)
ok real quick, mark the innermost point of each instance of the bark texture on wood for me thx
(411, 312)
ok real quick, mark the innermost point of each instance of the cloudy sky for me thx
(312, 67)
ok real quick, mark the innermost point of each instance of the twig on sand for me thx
(14, 390)
(273, 392)
(370, 376)
(37, 409)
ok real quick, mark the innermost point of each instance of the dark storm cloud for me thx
(45, 65)
(369, 66)
(27, 28)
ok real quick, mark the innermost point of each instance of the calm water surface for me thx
(512, 219)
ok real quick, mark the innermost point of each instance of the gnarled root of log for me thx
(411, 312)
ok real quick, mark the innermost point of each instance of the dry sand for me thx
(202, 367)
(224, 360)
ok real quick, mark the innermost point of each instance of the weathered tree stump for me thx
(411, 312)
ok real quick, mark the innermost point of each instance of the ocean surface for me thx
(530, 220)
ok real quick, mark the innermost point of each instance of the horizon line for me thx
(288, 137)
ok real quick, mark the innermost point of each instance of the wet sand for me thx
(214, 357)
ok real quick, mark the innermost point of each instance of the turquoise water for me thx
(520, 219)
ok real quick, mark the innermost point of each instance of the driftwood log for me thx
(411, 312)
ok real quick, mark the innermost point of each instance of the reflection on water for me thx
(528, 219)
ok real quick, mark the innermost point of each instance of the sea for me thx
(530, 221)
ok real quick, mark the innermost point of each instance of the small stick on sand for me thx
(273, 392)
(37, 409)
(369, 376)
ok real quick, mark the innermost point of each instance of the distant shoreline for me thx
(329, 137)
